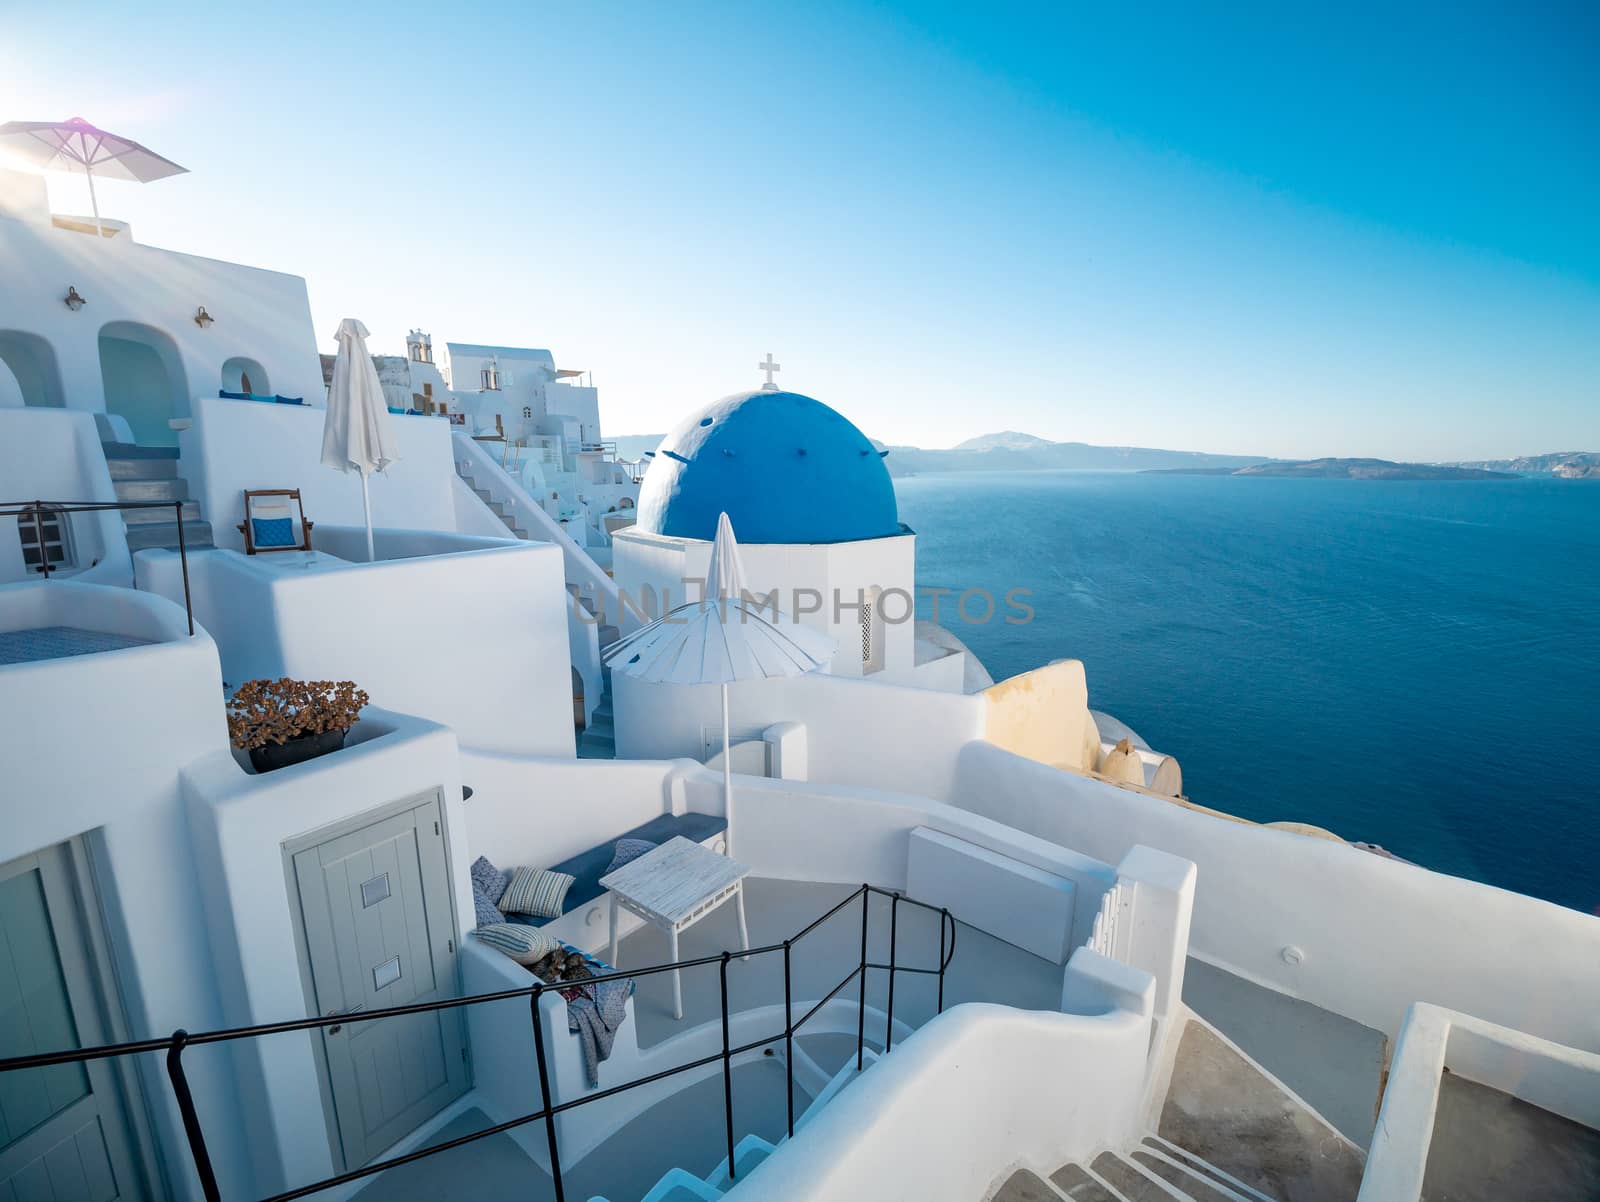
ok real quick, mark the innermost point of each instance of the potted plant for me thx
(284, 721)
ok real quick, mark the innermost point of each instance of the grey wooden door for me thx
(64, 1134)
(375, 904)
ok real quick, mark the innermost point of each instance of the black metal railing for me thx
(174, 1046)
(40, 509)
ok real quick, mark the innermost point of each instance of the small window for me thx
(871, 631)
(46, 539)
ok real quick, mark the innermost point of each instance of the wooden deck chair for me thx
(270, 515)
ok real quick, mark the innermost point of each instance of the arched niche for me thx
(144, 380)
(242, 374)
(31, 363)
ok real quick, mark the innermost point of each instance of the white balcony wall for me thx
(1357, 934)
(238, 445)
(484, 631)
(92, 747)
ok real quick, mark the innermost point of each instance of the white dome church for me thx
(814, 511)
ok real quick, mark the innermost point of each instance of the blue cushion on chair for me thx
(272, 532)
(289, 400)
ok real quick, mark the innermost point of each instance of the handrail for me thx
(38, 508)
(580, 568)
(175, 1044)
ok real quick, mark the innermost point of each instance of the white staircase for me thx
(1152, 1170)
(1225, 1131)
(680, 1185)
(151, 474)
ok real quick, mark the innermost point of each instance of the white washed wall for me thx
(235, 445)
(54, 455)
(1373, 934)
(92, 745)
(262, 315)
(858, 731)
(238, 823)
(476, 640)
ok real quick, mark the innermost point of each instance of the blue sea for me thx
(1415, 664)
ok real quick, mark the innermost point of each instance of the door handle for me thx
(337, 1027)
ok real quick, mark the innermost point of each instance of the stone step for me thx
(1127, 1180)
(1023, 1186)
(1077, 1184)
(169, 488)
(142, 469)
(1191, 1182)
(1226, 1112)
(196, 535)
(163, 514)
(130, 450)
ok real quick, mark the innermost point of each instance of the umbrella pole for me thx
(94, 204)
(366, 511)
(727, 771)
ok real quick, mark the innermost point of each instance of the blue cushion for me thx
(586, 868)
(289, 400)
(628, 850)
(487, 913)
(487, 877)
(232, 396)
(272, 532)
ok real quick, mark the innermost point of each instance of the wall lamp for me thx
(202, 318)
(74, 300)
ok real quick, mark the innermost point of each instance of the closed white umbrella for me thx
(356, 436)
(68, 145)
(720, 639)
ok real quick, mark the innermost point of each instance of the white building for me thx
(548, 417)
(975, 968)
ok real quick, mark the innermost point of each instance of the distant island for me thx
(1346, 469)
(1011, 451)
(1568, 465)
(1014, 451)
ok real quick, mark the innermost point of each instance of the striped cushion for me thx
(536, 891)
(525, 945)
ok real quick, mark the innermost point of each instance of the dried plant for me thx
(275, 711)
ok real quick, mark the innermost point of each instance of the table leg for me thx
(614, 952)
(744, 928)
(677, 983)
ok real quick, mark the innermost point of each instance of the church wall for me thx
(808, 577)
(858, 732)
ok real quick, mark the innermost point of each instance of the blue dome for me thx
(785, 468)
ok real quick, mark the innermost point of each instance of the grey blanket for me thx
(594, 1012)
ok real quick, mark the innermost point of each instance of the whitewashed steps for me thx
(151, 474)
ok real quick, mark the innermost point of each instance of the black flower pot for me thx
(304, 747)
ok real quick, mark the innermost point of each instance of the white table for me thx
(673, 887)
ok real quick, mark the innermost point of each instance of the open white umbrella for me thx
(356, 436)
(720, 639)
(68, 145)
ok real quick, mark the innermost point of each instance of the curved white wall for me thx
(1374, 934)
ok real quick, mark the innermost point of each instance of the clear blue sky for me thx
(1292, 230)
